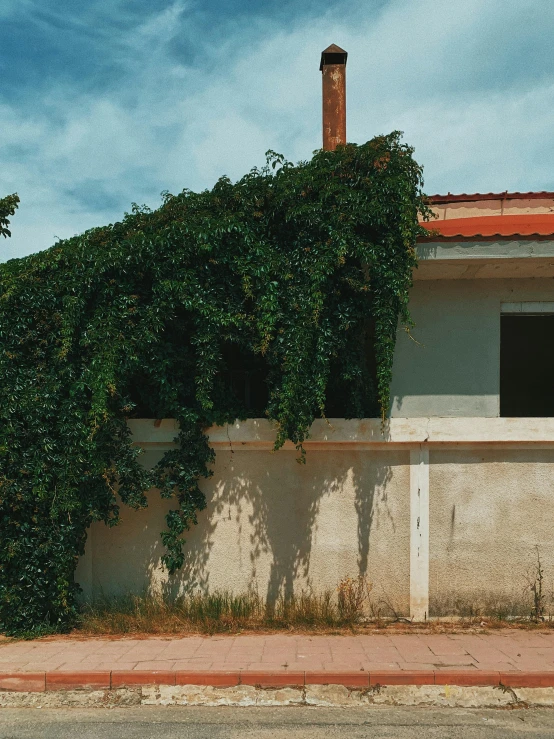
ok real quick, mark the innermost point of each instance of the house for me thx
(447, 507)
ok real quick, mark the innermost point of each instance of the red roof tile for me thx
(530, 224)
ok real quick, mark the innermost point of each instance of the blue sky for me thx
(108, 102)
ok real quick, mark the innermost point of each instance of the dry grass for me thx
(479, 605)
(207, 614)
(349, 609)
(222, 612)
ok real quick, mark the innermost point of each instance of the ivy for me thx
(301, 272)
(8, 206)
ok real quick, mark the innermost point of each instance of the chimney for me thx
(333, 68)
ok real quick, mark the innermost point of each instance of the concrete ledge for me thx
(109, 680)
(339, 433)
(471, 259)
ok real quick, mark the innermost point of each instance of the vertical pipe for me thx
(333, 69)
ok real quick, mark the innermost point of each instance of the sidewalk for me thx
(510, 657)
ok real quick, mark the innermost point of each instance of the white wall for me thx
(277, 526)
(273, 525)
(454, 369)
(489, 509)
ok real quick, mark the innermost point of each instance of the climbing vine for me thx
(8, 206)
(299, 272)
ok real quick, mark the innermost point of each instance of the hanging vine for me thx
(300, 271)
(8, 206)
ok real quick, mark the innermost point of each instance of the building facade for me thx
(447, 508)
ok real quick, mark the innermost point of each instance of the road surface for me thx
(176, 722)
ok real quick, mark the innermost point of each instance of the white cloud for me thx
(465, 80)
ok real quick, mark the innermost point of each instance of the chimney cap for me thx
(333, 55)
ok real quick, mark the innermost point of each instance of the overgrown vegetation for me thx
(351, 607)
(299, 271)
(8, 206)
(226, 612)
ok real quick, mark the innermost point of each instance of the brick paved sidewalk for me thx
(357, 659)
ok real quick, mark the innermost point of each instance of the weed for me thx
(536, 587)
(222, 611)
(352, 595)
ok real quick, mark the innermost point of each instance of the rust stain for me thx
(333, 69)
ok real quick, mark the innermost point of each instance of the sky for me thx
(108, 102)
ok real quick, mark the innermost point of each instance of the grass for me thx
(500, 607)
(210, 614)
(223, 611)
(349, 608)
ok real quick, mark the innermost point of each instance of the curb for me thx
(40, 682)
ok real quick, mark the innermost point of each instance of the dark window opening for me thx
(333, 59)
(527, 365)
(355, 398)
(241, 387)
(245, 377)
(141, 399)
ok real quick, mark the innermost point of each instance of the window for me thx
(526, 361)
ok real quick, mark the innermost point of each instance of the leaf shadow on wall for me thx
(289, 527)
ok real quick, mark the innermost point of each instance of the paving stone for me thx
(511, 651)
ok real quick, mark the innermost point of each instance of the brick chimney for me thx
(333, 68)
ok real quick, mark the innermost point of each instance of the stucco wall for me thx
(274, 525)
(454, 368)
(489, 509)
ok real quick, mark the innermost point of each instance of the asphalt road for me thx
(155, 722)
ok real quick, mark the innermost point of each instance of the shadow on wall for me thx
(274, 526)
(284, 524)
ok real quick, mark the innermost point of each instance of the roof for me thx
(333, 49)
(527, 225)
(492, 215)
(476, 196)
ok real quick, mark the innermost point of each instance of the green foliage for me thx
(8, 206)
(301, 270)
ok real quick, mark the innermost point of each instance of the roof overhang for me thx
(487, 259)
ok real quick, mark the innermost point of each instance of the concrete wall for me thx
(276, 526)
(454, 369)
(489, 510)
(273, 525)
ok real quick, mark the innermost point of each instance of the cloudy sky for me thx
(108, 102)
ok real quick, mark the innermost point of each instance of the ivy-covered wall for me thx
(302, 271)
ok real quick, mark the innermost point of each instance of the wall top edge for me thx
(260, 433)
(508, 249)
